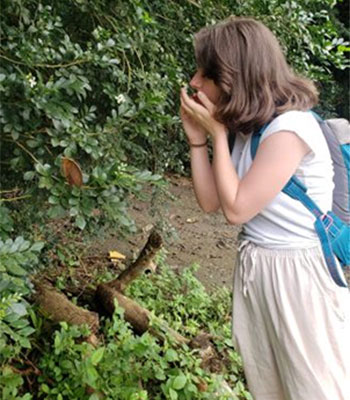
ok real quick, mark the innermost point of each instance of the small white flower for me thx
(32, 82)
(120, 99)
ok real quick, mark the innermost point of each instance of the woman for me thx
(290, 320)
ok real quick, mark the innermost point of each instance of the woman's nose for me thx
(195, 82)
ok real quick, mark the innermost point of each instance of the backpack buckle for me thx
(327, 221)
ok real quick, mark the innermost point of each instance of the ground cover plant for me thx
(97, 83)
(64, 365)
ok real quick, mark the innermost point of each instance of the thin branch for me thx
(10, 191)
(75, 62)
(27, 151)
(16, 198)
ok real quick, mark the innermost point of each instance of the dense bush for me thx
(98, 82)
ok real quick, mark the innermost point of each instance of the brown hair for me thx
(246, 62)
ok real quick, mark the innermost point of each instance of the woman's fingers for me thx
(206, 102)
(187, 110)
(194, 109)
(190, 103)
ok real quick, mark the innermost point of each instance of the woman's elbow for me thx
(235, 218)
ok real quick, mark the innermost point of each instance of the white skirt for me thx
(291, 325)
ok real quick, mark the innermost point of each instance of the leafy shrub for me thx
(99, 82)
(18, 259)
(126, 366)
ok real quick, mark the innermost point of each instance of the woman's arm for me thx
(276, 160)
(202, 174)
(203, 180)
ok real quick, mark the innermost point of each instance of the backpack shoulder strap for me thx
(254, 144)
(294, 187)
(326, 225)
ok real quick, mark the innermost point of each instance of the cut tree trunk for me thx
(59, 308)
(142, 263)
(136, 315)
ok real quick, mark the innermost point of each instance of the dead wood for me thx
(57, 307)
(142, 263)
(136, 315)
(139, 318)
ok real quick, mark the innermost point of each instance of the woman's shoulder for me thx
(303, 124)
(295, 118)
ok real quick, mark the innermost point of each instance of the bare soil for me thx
(193, 236)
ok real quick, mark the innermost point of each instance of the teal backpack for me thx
(332, 227)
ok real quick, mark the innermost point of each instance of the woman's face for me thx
(200, 83)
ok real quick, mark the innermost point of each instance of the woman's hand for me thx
(195, 133)
(200, 114)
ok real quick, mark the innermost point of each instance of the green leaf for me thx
(19, 308)
(28, 330)
(171, 355)
(14, 135)
(54, 200)
(179, 382)
(94, 396)
(56, 212)
(24, 342)
(29, 175)
(92, 375)
(173, 394)
(160, 375)
(37, 246)
(15, 269)
(44, 388)
(97, 356)
(80, 222)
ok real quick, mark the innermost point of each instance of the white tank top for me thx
(285, 222)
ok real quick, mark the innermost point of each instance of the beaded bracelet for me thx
(198, 145)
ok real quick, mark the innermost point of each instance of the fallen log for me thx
(142, 263)
(140, 318)
(136, 315)
(57, 307)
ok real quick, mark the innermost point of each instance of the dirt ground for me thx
(194, 236)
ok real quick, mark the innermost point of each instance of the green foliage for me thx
(183, 300)
(98, 82)
(18, 258)
(126, 366)
(10, 384)
(6, 225)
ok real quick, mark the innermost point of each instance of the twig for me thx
(27, 151)
(15, 198)
(75, 62)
